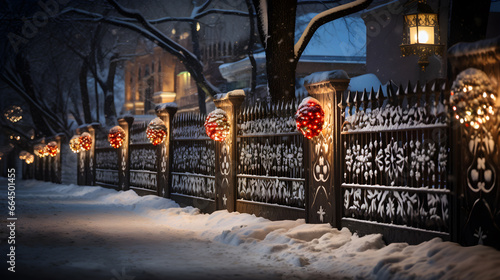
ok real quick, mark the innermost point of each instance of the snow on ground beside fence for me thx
(316, 246)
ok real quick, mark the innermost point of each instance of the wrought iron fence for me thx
(193, 164)
(143, 159)
(395, 153)
(270, 155)
(106, 161)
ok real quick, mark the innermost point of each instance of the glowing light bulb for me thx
(423, 37)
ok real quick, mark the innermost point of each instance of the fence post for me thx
(38, 165)
(225, 153)
(46, 164)
(56, 168)
(91, 155)
(80, 166)
(124, 154)
(323, 155)
(165, 112)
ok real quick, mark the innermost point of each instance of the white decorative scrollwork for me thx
(199, 186)
(195, 157)
(107, 176)
(106, 159)
(422, 210)
(272, 190)
(143, 158)
(146, 180)
(280, 157)
(225, 164)
(481, 174)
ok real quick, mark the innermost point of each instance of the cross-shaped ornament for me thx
(225, 200)
(321, 213)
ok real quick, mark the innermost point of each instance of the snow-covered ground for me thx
(81, 232)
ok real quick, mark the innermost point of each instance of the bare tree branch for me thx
(324, 17)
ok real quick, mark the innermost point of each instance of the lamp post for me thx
(420, 32)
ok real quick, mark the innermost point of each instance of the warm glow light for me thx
(116, 136)
(423, 36)
(310, 117)
(52, 148)
(198, 26)
(156, 131)
(75, 144)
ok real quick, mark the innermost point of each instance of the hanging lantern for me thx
(75, 144)
(310, 117)
(13, 113)
(86, 141)
(472, 98)
(39, 150)
(217, 125)
(156, 131)
(116, 136)
(420, 32)
(52, 148)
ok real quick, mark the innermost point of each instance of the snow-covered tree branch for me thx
(324, 17)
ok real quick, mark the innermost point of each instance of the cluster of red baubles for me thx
(41, 150)
(310, 117)
(52, 149)
(156, 131)
(85, 141)
(116, 136)
(217, 125)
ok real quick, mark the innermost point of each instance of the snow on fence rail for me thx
(394, 161)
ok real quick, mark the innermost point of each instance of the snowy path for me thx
(94, 233)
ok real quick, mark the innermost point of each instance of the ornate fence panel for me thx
(270, 156)
(394, 172)
(143, 159)
(193, 164)
(106, 160)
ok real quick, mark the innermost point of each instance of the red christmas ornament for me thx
(86, 141)
(116, 136)
(75, 144)
(38, 150)
(156, 131)
(45, 151)
(29, 159)
(217, 125)
(310, 117)
(52, 149)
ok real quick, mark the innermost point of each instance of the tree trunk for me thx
(251, 43)
(109, 94)
(24, 69)
(84, 91)
(279, 48)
